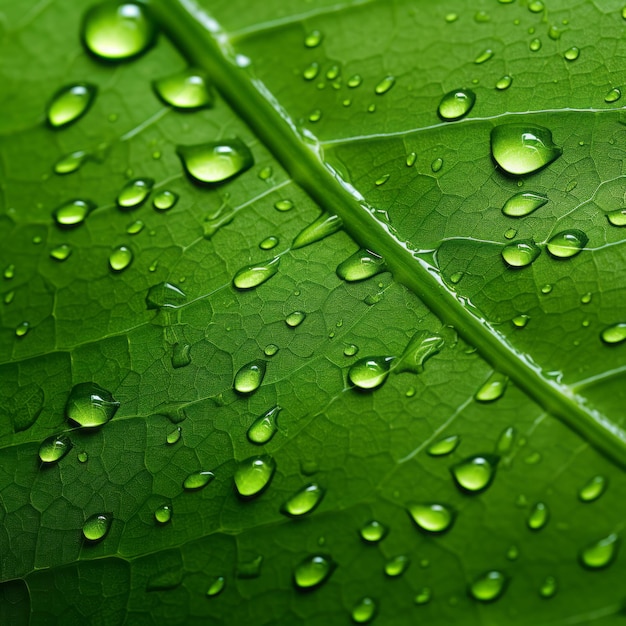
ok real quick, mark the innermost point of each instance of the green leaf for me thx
(288, 357)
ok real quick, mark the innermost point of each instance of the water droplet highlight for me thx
(432, 518)
(54, 448)
(264, 427)
(456, 104)
(523, 203)
(567, 243)
(215, 162)
(90, 406)
(521, 253)
(70, 103)
(249, 377)
(73, 213)
(370, 372)
(97, 526)
(254, 275)
(253, 475)
(475, 473)
(523, 148)
(304, 501)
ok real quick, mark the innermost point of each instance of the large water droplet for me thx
(54, 448)
(493, 389)
(73, 213)
(254, 275)
(488, 587)
(187, 90)
(567, 243)
(254, 474)
(397, 565)
(264, 427)
(120, 258)
(89, 405)
(593, 489)
(134, 193)
(326, 224)
(70, 103)
(475, 473)
(538, 517)
(249, 377)
(601, 553)
(304, 501)
(456, 104)
(163, 514)
(215, 162)
(313, 571)
(614, 334)
(523, 203)
(97, 526)
(198, 480)
(444, 446)
(361, 265)
(370, 372)
(165, 295)
(521, 253)
(432, 518)
(523, 148)
(364, 611)
(115, 30)
(373, 531)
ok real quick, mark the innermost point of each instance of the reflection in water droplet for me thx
(54, 448)
(523, 148)
(567, 243)
(215, 162)
(73, 213)
(89, 405)
(364, 611)
(326, 224)
(313, 571)
(523, 203)
(187, 90)
(163, 514)
(134, 193)
(601, 553)
(521, 253)
(432, 518)
(456, 104)
(264, 427)
(444, 446)
(120, 258)
(538, 516)
(475, 473)
(493, 389)
(373, 531)
(254, 275)
(249, 377)
(304, 501)
(360, 266)
(593, 489)
(70, 103)
(370, 372)
(97, 526)
(198, 480)
(488, 587)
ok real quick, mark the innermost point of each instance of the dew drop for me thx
(313, 571)
(70, 103)
(354, 81)
(397, 565)
(504, 82)
(97, 526)
(370, 372)
(120, 258)
(493, 389)
(523, 148)
(264, 427)
(265, 173)
(436, 165)
(445, 446)
(8, 297)
(134, 193)
(215, 162)
(174, 436)
(571, 54)
(520, 321)
(54, 448)
(165, 295)
(617, 217)
(382, 180)
(614, 334)
(61, 253)
(506, 440)
(311, 72)
(364, 611)
(71, 162)
(601, 553)
(422, 346)
(253, 475)
(249, 377)
(538, 517)
(360, 266)
(83, 457)
(549, 587)
(350, 350)
(186, 91)
(488, 587)
(180, 355)
(385, 85)
(456, 104)
(523, 203)
(313, 39)
(304, 501)
(254, 275)
(216, 587)
(72, 213)
(410, 159)
(535, 45)
(432, 518)
(593, 489)
(423, 596)
(315, 115)
(613, 96)
(554, 33)
(373, 531)
(89, 405)
(293, 320)
(270, 349)
(475, 473)
(134, 228)
(585, 298)
(567, 243)
(521, 253)
(163, 514)
(164, 200)
(269, 243)
(325, 225)
(22, 329)
(198, 480)
(536, 6)
(283, 205)
(484, 56)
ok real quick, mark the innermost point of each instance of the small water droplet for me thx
(253, 475)
(265, 173)
(249, 377)
(70, 103)
(198, 480)
(493, 389)
(283, 205)
(254, 275)
(411, 158)
(187, 90)
(360, 266)
(600, 553)
(54, 448)
(115, 31)
(364, 611)
(523, 203)
(370, 372)
(315, 115)
(520, 321)
(385, 85)
(533, 458)
(163, 514)
(506, 440)
(271, 349)
(536, 6)
(164, 200)
(445, 446)
(382, 180)
(89, 405)
(313, 39)
(593, 489)
(523, 148)
(350, 350)
(304, 501)
(613, 96)
(264, 427)
(586, 298)
(313, 571)
(546, 289)
(8, 297)
(269, 243)
(120, 258)
(512, 553)
(180, 355)
(521, 253)
(71, 162)
(135, 227)
(549, 587)
(373, 531)
(484, 56)
(436, 165)
(61, 253)
(354, 81)
(571, 54)
(489, 587)
(397, 565)
(423, 596)
(174, 436)
(215, 162)
(294, 319)
(97, 526)
(538, 517)
(216, 587)
(432, 518)
(504, 82)
(554, 32)
(456, 104)
(134, 193)
(22, 329)
(481, 17)
(165, 295)
(9, 272)
(535, 45)
(567, 243)
(475, 473)
(324, 226)
(83, 457)
(311, 71)
(72, 213)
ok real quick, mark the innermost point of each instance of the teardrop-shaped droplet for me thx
(164, 200)
(253, 475)
(484, 56)
(493, 389)
(456, 104)
(370, 372)
(385, 85)
(174, 436)
(254, 275)
(488, 587)
(186, 91)
(293, 320)
(97, 526)
(181, 356)
(198, 480)
(326, 224)
(61, 253)
(134, 193)
(216, 587)
(165, 295)
(475, 473)
(120, 258)
(523, 203)
(422, 346)
(89, 405)
(538, 517)
(593, 489)
(601, 553)
(313, 39)
(313, 571)
(548, 587)
(215, 162)
(54, 448)
(506, 440)
(21, 330)
(373, 531)
(614, 334)
(269, 243)
(364, 611)
(523, 148)
(134, 228)
(70, 103)
(304, 501)
(249, 377)
(71, 162)
(613, 96)
(571, 54)
(444, 446)
(567, 243)
(115, 31)
(73, 213)
(521, 253)
(361, 265)
(163, 514)
(432, 518)
(311, 71)
(504, 82)
(397, 565)
(264, 427)
(520, 321)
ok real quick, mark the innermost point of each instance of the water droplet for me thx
(97, 526)
(295, 319)
(313, 571)
(601, 553)
(382, 180)
(8, 297)
(360, 266)
(120, 258)
(73, 213)
(271, 349)
(254, 275)
(61, 253)
(489, 587)
(89, 405)
(283, 205)
(22, 329)
(265, 173)
(70, 103)
(198, 480)
(571, 54)
(456, 104)
(506, 440)
(249, 377)
(536, 6)
(422, 346)
(313, 39)
(504, 82)
(523, 203)
(163, 514)
(481, 17)
(423, 596)
(354, 81)
(436, 165)
(586, 298)
(164, 200)
(69, 163)
(444, 446)
(385, 85)
(364, 611)
(174, 436)
(397, 565)
(370, 372)
(315, 115)
(511, 233)
(493, 389)
(535, 45)
(613, 96)
(371, 108)
(134, 193)
(593, 489)
(264, 427)
(135, 227)
(521, 253)
(512, 553)
(484, 56)
(215, 162)
(373, 531)
(549, 587)
(116, 31)
(304, 501)
(520, 321)
(350, 350)
(82, 457)
(325, 225)
(187, 90)
(216, 587)
(523, 148)
(253, 475)
(475, 473)
(180, 355)
(54, 448)
(432, 518)
(311, 71)
(165, 295)
(538, 516)
(616, 333)
(554, 33)
(617, 217)
(410, 159)
(567, 243)
(269, 243)
(451, 17)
